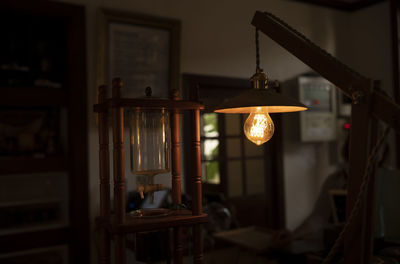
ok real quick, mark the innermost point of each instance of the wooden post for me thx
(104, 160)
(370, 196)
(176, 154)
(176, 176)
(197, 244)
(196, 156)
(197, 192)
(357, 237)
(370, 200)
(119, 171)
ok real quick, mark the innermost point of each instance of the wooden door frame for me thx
(394, 24)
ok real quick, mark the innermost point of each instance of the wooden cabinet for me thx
(43, 134)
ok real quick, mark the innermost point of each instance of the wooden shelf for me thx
(28, 202)
(32, 96)
(33, 228)
(147, 103)
(37, 239)
(254, 238)
(136, 224)
(63, 111)
(12, 165)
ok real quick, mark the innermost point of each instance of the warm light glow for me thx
(259, 127)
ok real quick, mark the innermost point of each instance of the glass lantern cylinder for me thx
(150, 141)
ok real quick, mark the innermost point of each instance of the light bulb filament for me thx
(259, 125)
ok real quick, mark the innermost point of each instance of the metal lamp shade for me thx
(253, 100)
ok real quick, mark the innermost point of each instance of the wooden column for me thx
(197, 192)
(196, 156)
(370, 195)
(357, 237)
(118, 171)
(176, 176)
(370, 199)
(197, 244)
(176, 154)
(104, 160)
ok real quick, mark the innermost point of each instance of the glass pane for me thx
(235, 183)
(150, 141)
(252, 149)
(210, 125)
(233, 148)
(210, 149)
(232, 125)
(210, 172)
(255, 176)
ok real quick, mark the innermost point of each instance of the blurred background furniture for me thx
(43, 134)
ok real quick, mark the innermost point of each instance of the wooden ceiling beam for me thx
(343, 5)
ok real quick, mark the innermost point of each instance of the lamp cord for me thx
(257, 52)
(360, 197)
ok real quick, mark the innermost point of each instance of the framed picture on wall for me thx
(140, 49)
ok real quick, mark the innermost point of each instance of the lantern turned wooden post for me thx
(118, 170)
(176, 176)
(104, 160)
(197, 192)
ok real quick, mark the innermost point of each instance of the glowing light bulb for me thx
(259, 127)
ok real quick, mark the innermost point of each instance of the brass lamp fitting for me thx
(357, 97)
(259, 80)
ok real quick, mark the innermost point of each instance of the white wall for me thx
(218, 39)
(364, 44)
(362, 41)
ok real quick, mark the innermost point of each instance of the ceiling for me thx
(345, 5)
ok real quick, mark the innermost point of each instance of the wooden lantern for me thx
(116, 225)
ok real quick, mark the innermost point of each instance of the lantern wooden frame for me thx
(115, 226)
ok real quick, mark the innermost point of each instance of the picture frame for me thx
(140, 49)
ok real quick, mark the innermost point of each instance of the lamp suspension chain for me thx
(257, 52)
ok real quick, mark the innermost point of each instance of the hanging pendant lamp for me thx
(258, 102)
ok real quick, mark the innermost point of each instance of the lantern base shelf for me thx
(135, 224)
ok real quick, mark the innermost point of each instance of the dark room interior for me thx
(199, 131)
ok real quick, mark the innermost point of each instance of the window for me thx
(210, 141)
(248, 176)
(229, 157)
